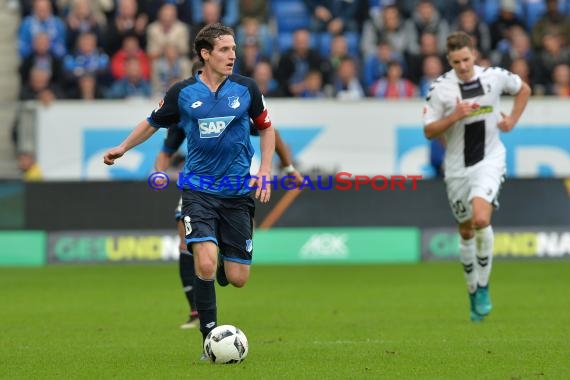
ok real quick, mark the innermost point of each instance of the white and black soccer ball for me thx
(226, 344)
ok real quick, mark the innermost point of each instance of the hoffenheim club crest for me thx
(233, 102)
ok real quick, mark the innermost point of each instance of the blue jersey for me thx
(217, 128)
(175, 137)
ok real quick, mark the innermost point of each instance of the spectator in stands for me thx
(41, 20)
(209, 12)
(167, 30)
(82, 19)
(426, 18)
(87, 69)
(339, 50)
(394, 85)
(347, 85)
(390, 27)
(432, 68)
(251, 29)
(295, 64)
(40, 88)
(169, 68)
(27, 7)
(517, 45)
(130, 49)
(203, 12)
(552, 20)
(248, 57)
(103, 9)
(183, 10)
(263, 76)
(257, 9)
(560, 86)
(312, 86)
(553, 53)
(333, 16)
(523, 69)
(42, 58)
(428, 47)
(128, 20)
(468, 22)
(506, 19)
(133, 85)
(376, 65)
(29, 167)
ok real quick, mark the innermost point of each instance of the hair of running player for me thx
(459, 40)
(206, 37)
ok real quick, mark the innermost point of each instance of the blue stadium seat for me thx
(353, 41)
(284, 41)
(323, 43)
(533, 10)
(290, 15)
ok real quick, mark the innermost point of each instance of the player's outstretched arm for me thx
(284, 154)
(521, 99)
(140, 134)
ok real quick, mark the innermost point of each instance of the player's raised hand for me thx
(507, 123)
(112, 154)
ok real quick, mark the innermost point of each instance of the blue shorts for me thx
(228, 222)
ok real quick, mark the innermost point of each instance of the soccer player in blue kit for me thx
(172, 142)
(215, 109)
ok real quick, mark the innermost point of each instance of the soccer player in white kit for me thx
(463, 106)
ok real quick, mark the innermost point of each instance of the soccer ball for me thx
(226, 344)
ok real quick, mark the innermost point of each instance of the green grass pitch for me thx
(302, 322)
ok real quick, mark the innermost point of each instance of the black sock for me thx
(187, 274)
(205, 293)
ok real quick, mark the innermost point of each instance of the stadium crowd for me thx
(94, 49)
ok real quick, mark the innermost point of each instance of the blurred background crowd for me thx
(345, 49)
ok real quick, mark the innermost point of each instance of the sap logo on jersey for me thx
(214, 126)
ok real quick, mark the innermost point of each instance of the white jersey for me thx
(475, 138)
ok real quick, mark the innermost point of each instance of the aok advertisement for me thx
(512, 243)
(276, 246)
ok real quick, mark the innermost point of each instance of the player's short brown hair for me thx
(459, 40)
(206, 37)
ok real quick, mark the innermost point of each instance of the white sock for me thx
(467, 251)
(485, 240)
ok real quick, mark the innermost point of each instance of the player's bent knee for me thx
(237, 274)
(480, 222)
(239, 282)
(206, 269)
(466, 231)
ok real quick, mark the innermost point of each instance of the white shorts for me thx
(483, 182)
